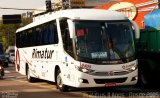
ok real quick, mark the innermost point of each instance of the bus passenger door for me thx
(68, 53)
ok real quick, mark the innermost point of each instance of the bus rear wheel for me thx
(59, 82)
(29, 78)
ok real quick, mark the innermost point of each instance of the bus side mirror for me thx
(71, 28)
(136, 28)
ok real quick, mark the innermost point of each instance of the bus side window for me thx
(67, 41)
(38, 36)
(52, 33)
(21, 39)
(45, 35)
(18, 41)
(34, 37)
(25, 42)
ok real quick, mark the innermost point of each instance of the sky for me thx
(24, 4)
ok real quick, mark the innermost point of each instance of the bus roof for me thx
(78, 14)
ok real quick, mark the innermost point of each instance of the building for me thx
(134, 9)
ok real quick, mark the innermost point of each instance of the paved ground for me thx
(15, 85)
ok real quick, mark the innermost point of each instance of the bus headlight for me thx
(131, 67)
(84, 70)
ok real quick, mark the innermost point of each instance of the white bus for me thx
(79, 48)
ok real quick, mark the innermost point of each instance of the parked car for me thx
(7, 56)
(10, 52)
(3, 56)
(11, 57)
(1, 70)
(4, 60)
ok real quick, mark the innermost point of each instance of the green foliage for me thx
(7, 32)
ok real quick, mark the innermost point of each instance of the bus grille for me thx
(111, 73)
(117, 80)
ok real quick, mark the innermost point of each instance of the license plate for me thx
(110, 84)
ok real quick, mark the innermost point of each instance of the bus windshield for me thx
(97, 40)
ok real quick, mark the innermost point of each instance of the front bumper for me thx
(85, 80)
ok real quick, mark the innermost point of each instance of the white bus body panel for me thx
(45, 68)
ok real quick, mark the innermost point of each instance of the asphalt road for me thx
(15, 85)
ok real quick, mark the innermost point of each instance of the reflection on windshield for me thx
(104, 40)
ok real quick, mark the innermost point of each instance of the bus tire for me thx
(144, 75)
(59, 82)
(29, 78)
(144, 80)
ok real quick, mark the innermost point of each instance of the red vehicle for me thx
(1, 70)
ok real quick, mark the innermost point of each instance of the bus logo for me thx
(18, 60)
(110, 73)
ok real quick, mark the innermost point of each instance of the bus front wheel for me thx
(59, 82)
(144, 74)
